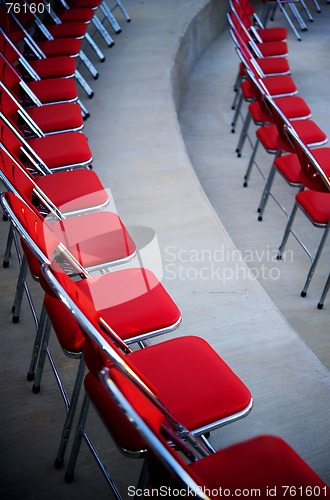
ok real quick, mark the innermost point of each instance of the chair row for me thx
(284, 128)
(69, 236)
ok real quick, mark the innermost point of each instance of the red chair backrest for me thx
(312, 175)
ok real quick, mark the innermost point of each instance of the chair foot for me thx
(91, 95)
(239, 155)
(96, 76)
(86, 116)
(320, 306)
(245, 184)
(36, 389)
(303, 294)
(5, 263)
(260, 218)
(30, 376)
(58, 464)
(233, 131)
(4, 217)
(15, 319)
(69, 478)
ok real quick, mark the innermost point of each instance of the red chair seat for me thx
(67, 30)
(316, 205)
(264, 463)
(95, 238)
(61, 150)
(131, 301)
(206, 389)
(84, 189)
(279, 85)
(51, 90)
(54, 67)
(269, 49)
(309, 132)
(190, 379)
(275, 34)
(289, 167)
(293, 107)
(60, 47)
(273, 65)
(57, 117)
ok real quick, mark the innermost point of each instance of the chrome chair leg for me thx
(103, 32)
(325, 291)
(315, 261)
(251, 162)
(287, 231)
(70, 414)
(110, 17)
(95, 47)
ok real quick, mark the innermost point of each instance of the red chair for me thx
(176, 461)
(62, 151)
(314, 201)
(41, 120)
(167, 365)
(254, 25)
(61, 51)
(307, 130)
(293, 106)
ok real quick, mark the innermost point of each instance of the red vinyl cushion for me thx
(64, 30)
(60, 150)
(131, 301)
(195, 397)
(269, 49)
(289, 167)
(95, 238)
(52, 90)
(316, 204)
(270, 65)
(263, 462)
(206, 389)
(74, 189)
(275, 34)
(60, 47)
(57, 117)
(293, 107)
(117, 300)
(54, 67)
(279, 85)
(309, 132)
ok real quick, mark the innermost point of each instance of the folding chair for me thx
(178, 462)
(307, 130)
(293, 106)
(314, 201)
(40, 89)
(202, 404)
(83, 13)
(62, 151)
(40, 120)
(59, 29)
(62, 67)
(253, 23)
(137, 303)
(272, 5)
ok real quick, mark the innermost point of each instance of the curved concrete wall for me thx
(201, 32)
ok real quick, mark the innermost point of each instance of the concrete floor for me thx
(200, 215)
